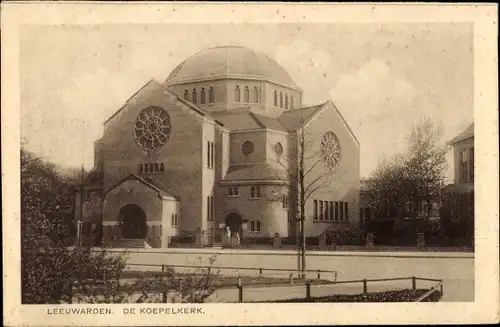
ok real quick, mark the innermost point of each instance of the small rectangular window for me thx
(321, 210)
(331, 211)
(173, 220)
(284, 201)
(212, 158)
(234, 192)
(255, 192)
(252, 226)
(336, 211)
(258, 226)
(208, 154)
(346, 211)
(341, 211)
(315, 209)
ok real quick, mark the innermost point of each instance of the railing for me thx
(260, 271)
(364, 283)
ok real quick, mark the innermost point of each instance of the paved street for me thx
(456, 269)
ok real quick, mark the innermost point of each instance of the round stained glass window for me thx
(330, 150)
(278, 148)
(152, 128)
(247, 148)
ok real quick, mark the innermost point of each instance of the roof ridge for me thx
(256, 119)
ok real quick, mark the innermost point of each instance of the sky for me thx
(382, 77)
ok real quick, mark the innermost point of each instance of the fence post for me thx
(319, 274)
(413, 283)
(365, 286)
(162, 268)
(290, 278)
(308, 290)
(441, 287)
(260, 272)
(164, 297)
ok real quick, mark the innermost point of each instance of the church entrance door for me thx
(234, 222)
(132, 221)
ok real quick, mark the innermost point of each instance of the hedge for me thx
(406, 295)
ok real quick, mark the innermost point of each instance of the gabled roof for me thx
(468, 133)
(253, 172)
(237, 120)
(153, 184)
(179, 98)
(268, 122)
(294, 119)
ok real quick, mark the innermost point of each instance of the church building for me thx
(221, 145)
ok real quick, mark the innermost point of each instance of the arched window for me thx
(186, 95)
(275, 98)
(281, 100)
(246, 95)
(286, 101)
(211, 95)
(255, 95)
(195, 97)
(202, 95)
(237, 96)
(291, 101)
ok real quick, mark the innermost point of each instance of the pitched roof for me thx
(468, 133)
(154, 184)
(157, 84)
(237, 120)
(253, 172)
(292, 120)
(268, 122)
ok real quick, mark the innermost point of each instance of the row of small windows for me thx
(152, 167)
(203, 96)
(288, 103)
(326, 211)
(234, 192)
(246, 94)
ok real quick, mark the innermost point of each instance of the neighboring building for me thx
(212, 147)
(463, 154)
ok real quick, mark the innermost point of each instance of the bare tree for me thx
(304, 174)
(401, 185)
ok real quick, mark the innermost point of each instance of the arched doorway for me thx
(234, 222)
(132, 220)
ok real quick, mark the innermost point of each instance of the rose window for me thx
(330, 150)
(152, 128)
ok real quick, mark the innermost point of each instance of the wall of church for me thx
(220, 94)
(274, 159)
(182, 154)
(258, 138)
(276, 110)
(168, 222)
(343, 184)
(267, 210)
(208, 176)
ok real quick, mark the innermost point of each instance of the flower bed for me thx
(407, 295)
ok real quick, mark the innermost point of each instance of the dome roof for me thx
(229, 62)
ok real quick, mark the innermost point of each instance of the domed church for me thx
(216, 149)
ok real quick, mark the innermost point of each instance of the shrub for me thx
(345, 234)
(389, 296)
